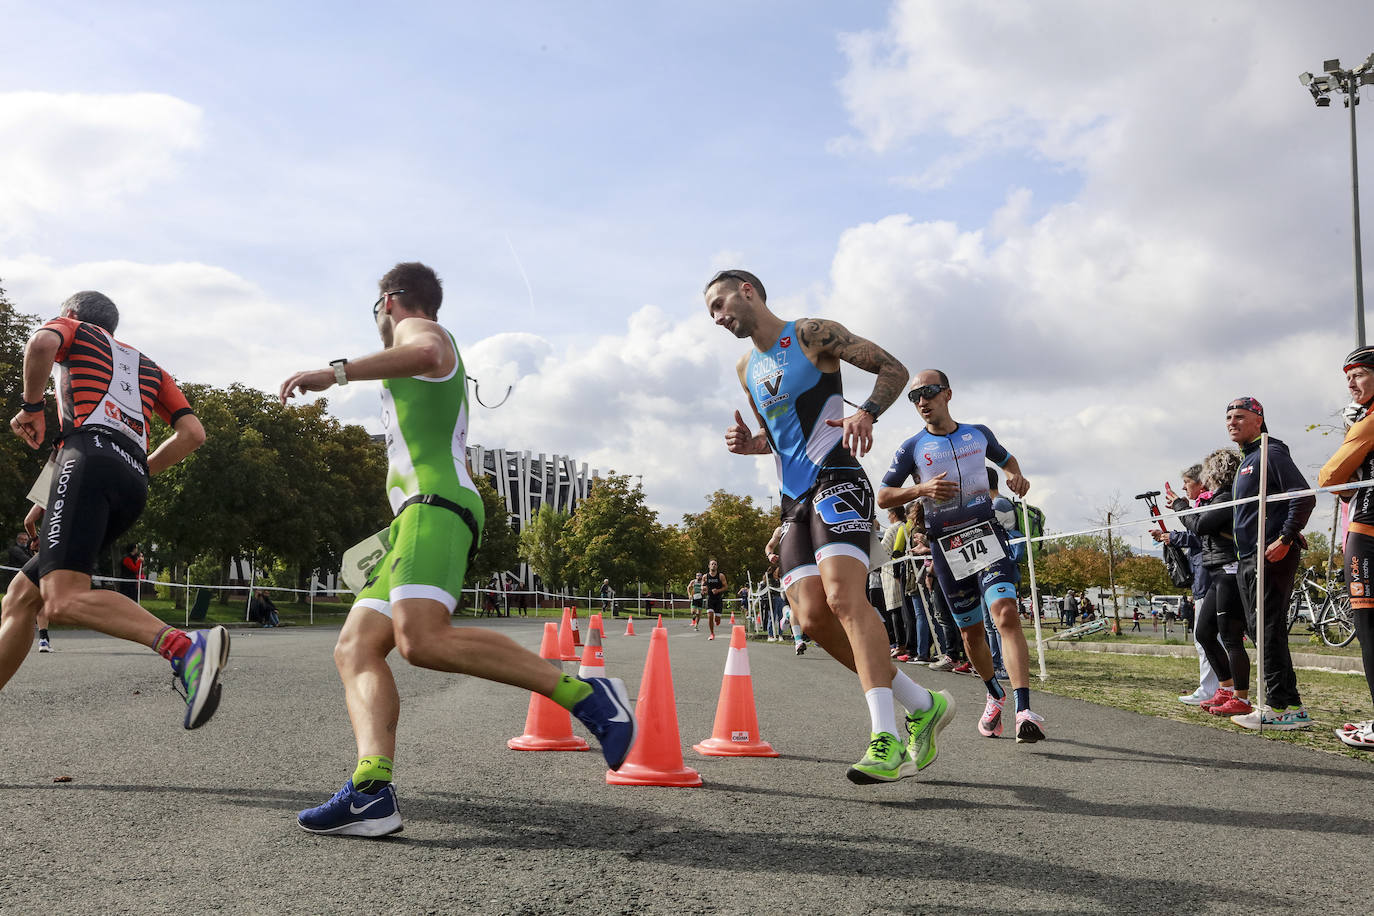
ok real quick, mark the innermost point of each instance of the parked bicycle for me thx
(1326, 607)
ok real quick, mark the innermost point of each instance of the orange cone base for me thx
(535, 743)
(635, 774)
(719, 747)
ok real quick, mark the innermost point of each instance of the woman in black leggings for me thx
(1220, 626)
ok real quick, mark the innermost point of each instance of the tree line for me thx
(290, 488)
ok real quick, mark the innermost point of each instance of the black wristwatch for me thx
(31, 406)
(873, 410)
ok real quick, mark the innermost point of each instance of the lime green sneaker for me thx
(922, 727)
(886, 761)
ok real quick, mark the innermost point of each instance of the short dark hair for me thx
(130, 548)
(735, 277)
(93, 308)
(423, 290)
(944, 379)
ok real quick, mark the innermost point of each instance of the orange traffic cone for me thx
(566, 647)
(736, 731)
(732, 622)
(630, 627)
(577, 633)
(656, 758)
(660, 622)
(548, 726)
(593, 657)
(595, 625)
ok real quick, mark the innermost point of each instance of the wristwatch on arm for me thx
(340, 376)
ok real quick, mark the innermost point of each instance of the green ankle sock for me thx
(570, 691)
(372, 774)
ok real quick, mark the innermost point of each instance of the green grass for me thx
(1299, 640)
(1151, 685)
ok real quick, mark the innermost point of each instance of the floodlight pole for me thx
(1352, 91)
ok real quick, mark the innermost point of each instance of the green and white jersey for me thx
(426, 424)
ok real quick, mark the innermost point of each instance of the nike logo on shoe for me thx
(354, 809)
(621, 715)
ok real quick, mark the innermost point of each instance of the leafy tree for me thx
(1074, 568)
(613, 535)
(1145, 574)
(500, 544)
(542, 546)
(733, 530)
(19, 464)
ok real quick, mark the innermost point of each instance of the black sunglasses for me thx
(925, 391)
(377, 306)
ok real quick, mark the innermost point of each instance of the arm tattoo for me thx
(831, 337)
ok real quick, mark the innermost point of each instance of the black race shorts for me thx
(834, 519)
(99, 488)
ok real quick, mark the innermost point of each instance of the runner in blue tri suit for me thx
(793, 380)
(969, 547)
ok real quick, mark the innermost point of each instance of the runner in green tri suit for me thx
(416, 586)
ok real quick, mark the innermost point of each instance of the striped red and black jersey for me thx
(102, 382)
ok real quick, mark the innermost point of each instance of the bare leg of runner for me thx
(17, 616)
(1015, 651)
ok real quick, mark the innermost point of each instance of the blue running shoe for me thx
(198, 674)
(606, 713)
(354, 813)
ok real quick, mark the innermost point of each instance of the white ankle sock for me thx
(880, 710)
(912, 696)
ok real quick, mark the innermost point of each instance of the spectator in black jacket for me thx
(1283, 524)
(1208, 682)
(1220, 624)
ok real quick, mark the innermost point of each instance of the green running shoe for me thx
(922, 727)
(886, 761)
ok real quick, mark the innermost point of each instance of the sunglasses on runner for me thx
(377, 306)
(925, 391)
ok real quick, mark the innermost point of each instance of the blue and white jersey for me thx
(795, 398)
(962, 456)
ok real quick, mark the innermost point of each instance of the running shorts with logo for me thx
(965, 597)
(833, 519)
(1359, 566)
(99, 488)
(428, 557)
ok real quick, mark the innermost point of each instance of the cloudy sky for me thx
(1102, 220)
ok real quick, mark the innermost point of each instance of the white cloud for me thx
(76, 152)
(1103, 339)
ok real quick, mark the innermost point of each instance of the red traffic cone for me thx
(593, 657)
(656, 758)
(594, 625)
(630, 627)
(567, 650)
(577, 633)
(548, 726)
(736, 731)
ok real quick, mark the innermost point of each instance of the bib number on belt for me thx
(971, 550)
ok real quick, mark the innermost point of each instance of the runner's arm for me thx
(187, 436)
(825, 341)
(739, 439)
(39, 354)
(420, 348)
(1016, 481)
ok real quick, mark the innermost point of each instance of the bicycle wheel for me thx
(1336, 625)
(1295, 606)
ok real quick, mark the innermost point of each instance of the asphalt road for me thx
(1116, 813)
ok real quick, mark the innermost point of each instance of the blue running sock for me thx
(995, 689)
(1022, 698)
